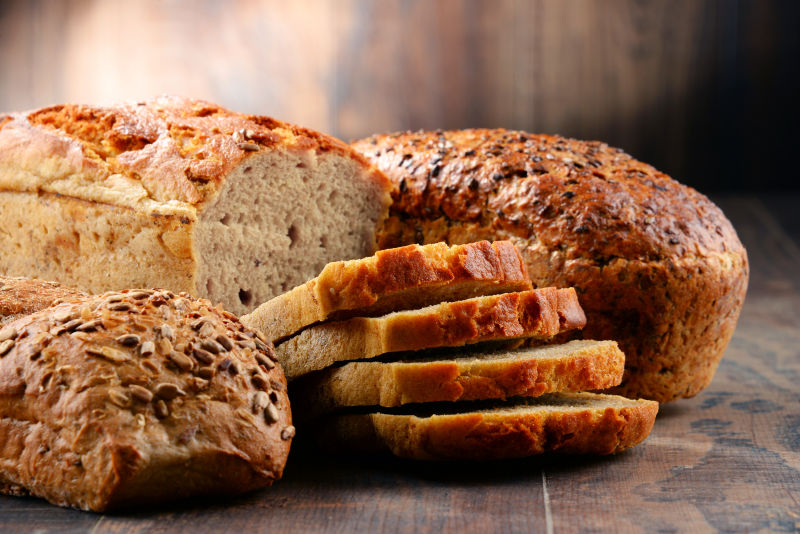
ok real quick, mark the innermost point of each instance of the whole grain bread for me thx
(464, 375)
(657, 265)
(138, 396)
(540, 313)
(393, 280)
(573, 423)
(180, 194)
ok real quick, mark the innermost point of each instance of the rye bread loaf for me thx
(393, 280)
(540, 313)
(462, 375)
(180, 194)
(573, 423)
(657, 266)
(138, 397)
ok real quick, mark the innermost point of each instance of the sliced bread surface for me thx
(573, 423)
(392, 280)
(472, 375)
(539, 313)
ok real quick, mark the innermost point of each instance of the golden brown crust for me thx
(540, 313)
(470, 375)
(393, 280)
(105, 400)
(23, 296)
(572, 423)
(657, 265)
(168, 154)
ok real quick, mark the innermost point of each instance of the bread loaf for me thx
(393, 280)
(137, 396)
(540, 313)
(573, 423)
(180, 194)
(657, 266)
(460, 375)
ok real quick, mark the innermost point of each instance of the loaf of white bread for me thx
(448, 380)
(180, 194)
(134, 397)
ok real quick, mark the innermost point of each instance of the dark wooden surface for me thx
(727, 460)
(705, 90)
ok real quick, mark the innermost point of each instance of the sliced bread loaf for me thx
(560, 422)
(393, 280)
(471, 375)
(181, 194)
(539, 313)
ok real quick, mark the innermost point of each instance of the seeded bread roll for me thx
(392, 280)
(180, 194)
(539, 313)
(571, 423)
(657, 266)
(138, 397)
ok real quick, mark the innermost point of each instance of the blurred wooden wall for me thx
(706, 90)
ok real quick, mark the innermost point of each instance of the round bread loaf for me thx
(138, 396)
(657, 266)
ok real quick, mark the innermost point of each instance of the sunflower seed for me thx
(7, 333)
(168, 391)
(211, 346)
(260, 401)
(224, 341)
(259, 382)
(263, 360)
(6, 346)
(119, 398)
(164, 346)
(128, 340)
(271, 413)
(183, 362)
(108, 353)
(167, 332)
(206, 372)
(140, 294)
(64, 314)
(72, 325)
(147, 348)
(90, 326)
(141, 393)
(203, 356)
(197, 324)
(161, 409)
(287, 433)
(248, 146)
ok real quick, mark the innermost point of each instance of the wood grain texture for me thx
(703, 89)
(727, 460)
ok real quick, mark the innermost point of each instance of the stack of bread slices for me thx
(437, 352)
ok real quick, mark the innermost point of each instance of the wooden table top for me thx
(727, 460)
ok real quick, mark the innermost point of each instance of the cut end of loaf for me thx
(280, 218)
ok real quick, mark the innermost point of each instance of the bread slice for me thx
(539, 313)
(575, 423)
(392, 280)
(471, 375)
(181, 194)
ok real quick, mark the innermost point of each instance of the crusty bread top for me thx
(167, 155)
(392, 280)
(592, 199)
(23, 296)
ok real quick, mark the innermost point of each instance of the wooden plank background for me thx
(706, 90)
